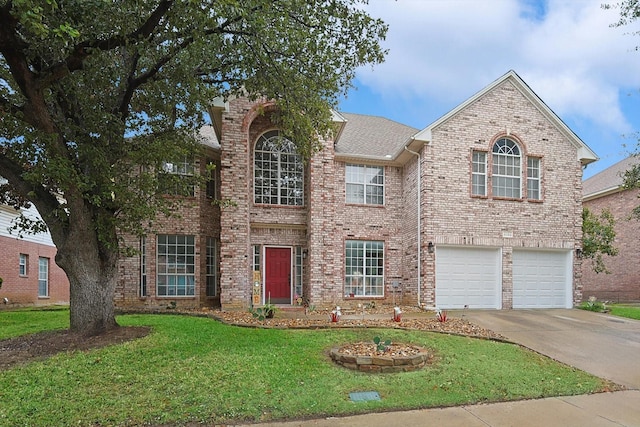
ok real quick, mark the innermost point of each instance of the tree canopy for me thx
(598, 238)
(95, 95)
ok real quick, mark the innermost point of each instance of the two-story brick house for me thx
(481, 209)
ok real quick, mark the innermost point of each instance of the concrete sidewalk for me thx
(599, 410)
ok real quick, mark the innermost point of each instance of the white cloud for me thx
(444, 51)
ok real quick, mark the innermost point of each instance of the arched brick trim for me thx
(255, 111)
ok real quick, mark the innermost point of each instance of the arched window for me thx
(278, 172)
(506, 169)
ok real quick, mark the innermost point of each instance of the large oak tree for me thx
(96, 94)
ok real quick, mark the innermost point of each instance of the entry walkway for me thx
(603, 345)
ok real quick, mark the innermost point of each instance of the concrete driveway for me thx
(604, 345)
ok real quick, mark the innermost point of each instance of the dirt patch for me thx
(28, 348)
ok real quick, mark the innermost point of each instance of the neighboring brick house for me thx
(604, 190)
(480, 209)
(27, 265)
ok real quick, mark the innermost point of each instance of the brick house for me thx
(481, 209)
(604, 190)
(27, 265)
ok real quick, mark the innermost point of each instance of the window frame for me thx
(43, 277)
(176, 275)
(211, 268)
(361, 268)
(270, 168)
(211, 186)
(537, 179)
(172, 171)
(23, 265)
(475, 173)
(365, 196)
(506, 167)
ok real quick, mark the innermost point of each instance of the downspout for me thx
(419, 198)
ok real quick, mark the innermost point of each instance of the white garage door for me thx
(468, 276)
(541, 279)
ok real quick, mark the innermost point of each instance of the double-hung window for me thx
(364, 268)
(365, 184)
(533, 178)
(479, 173)
(23, 264)
(43, 277)
(176, 178)
(278, 171)
(176, 265)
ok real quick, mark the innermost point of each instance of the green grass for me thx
(631, 312)
(191, 370)
(30, 320)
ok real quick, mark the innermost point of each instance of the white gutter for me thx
(419, 157)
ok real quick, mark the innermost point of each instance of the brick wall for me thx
(23, 290)
(197, 216)
(623, 284)
(452, 217)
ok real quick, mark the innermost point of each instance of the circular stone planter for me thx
(397, 358)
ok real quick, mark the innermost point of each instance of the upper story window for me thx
(505, 172)
(278, 171)
(506, 169)
(479, 173)
(365, 184)
(533, 178)
(174, 178)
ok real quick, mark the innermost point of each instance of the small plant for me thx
(172, 305)
(381, 345)
(593, 305)
(267, 311)
(441, 316)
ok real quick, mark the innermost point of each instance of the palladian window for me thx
(506, 169)
(278, 171)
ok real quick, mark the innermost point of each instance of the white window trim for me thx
(479, 174)
(537, 179)
(279, 188)
(364, 184)
(43, 279)
(167, 274)
(362, 272)
(23, 264)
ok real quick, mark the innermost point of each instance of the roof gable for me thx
(585, 154)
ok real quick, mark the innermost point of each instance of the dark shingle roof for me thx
(608, 179)
(372, 136)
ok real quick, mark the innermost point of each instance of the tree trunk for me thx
(92, 289)
(91, 267)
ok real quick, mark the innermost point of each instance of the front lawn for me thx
(631, 312)
(193, 369)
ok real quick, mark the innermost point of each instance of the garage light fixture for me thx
(430, 247)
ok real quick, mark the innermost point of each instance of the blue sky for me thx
(442, 52)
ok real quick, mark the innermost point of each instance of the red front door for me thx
(277, 275)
